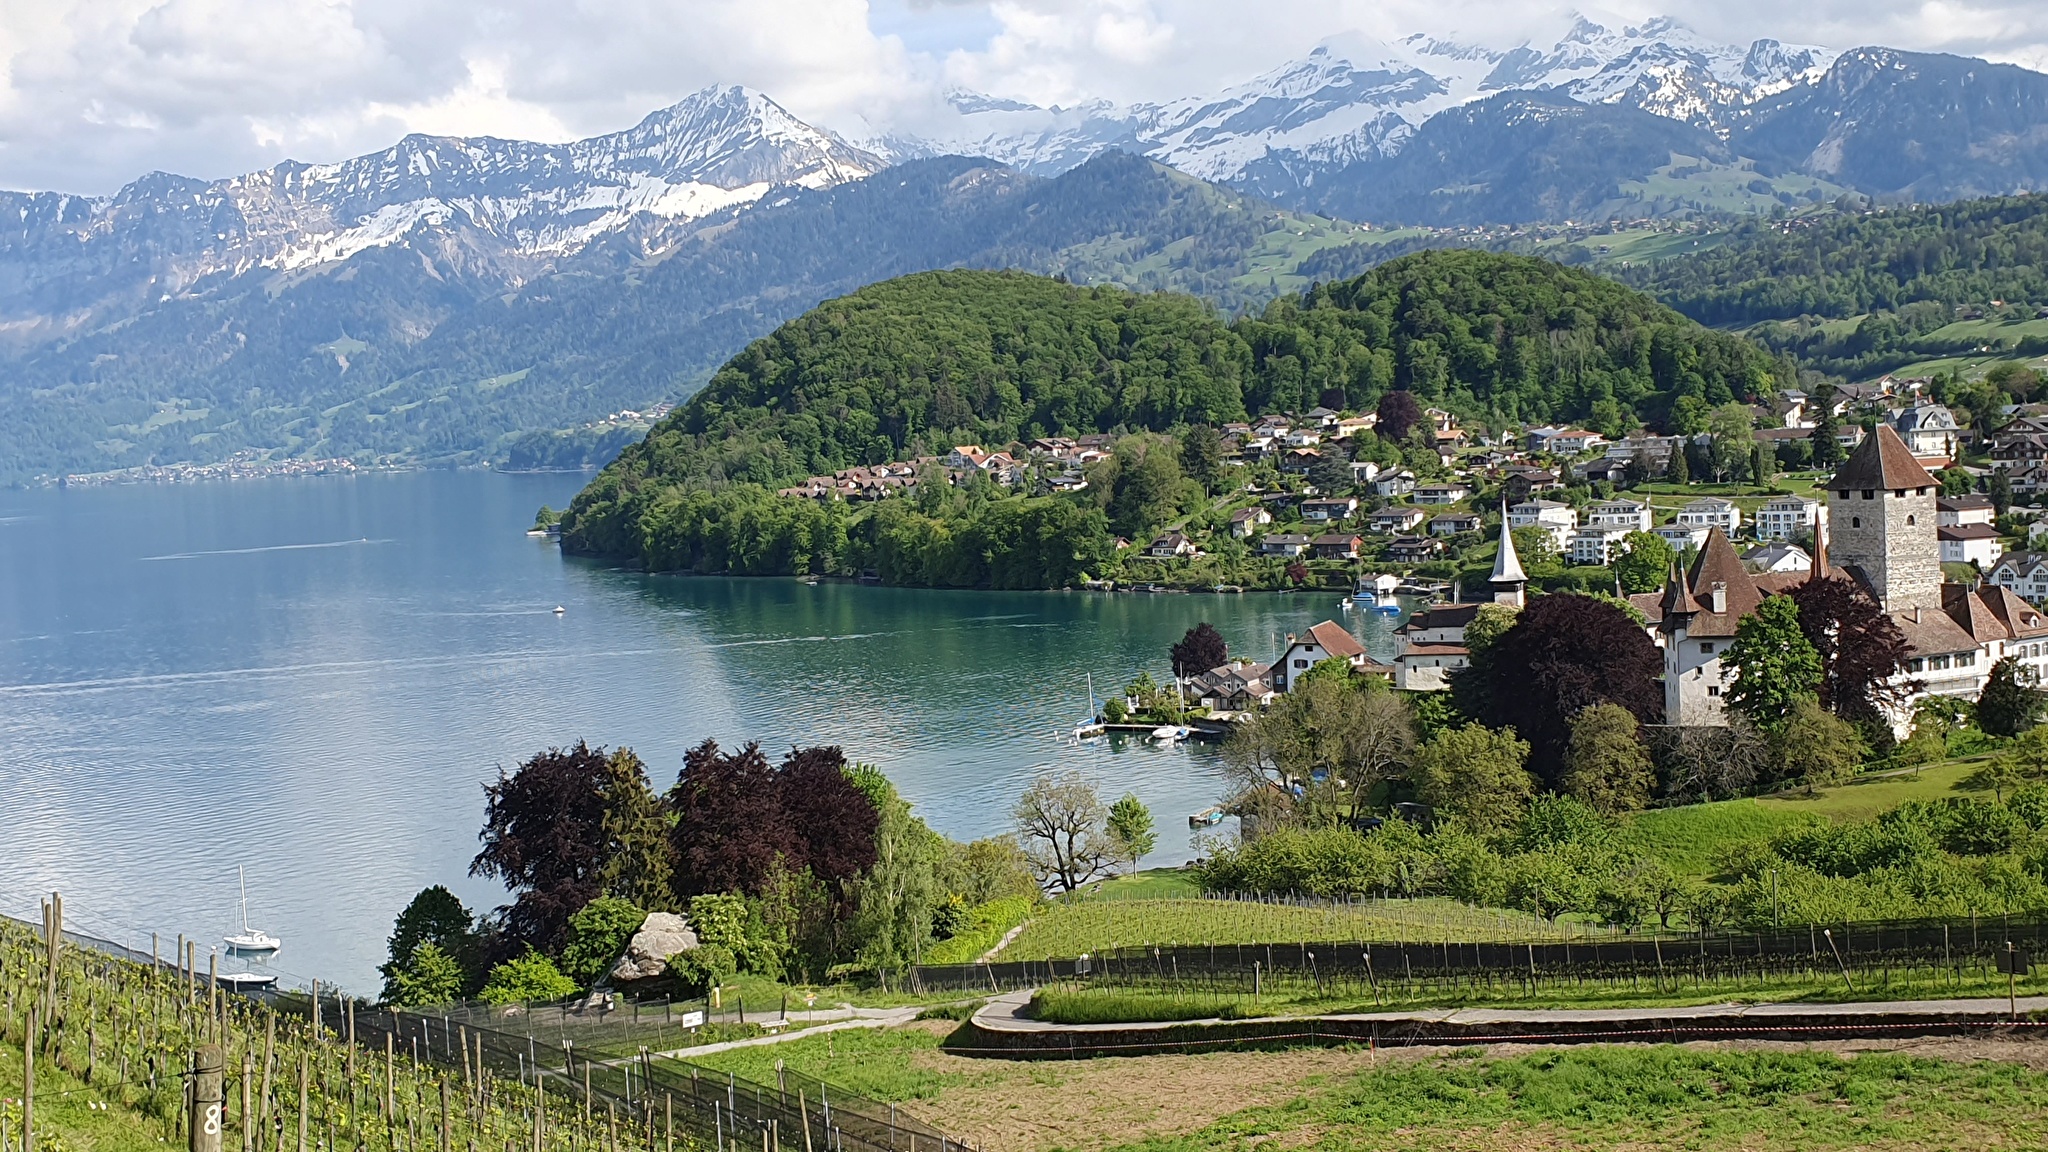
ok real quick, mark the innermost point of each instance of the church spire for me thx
(1508, 579)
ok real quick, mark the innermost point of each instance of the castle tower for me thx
(1508, 579)
(1881, 523)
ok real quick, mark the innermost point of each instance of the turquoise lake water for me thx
(314, 678)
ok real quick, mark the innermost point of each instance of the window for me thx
(1916, 665)
(1966, 660)
(1855, 521)
(1713, 690)
(1868, 494)
(1301, 663)
(1911, 520)
(1706, 649)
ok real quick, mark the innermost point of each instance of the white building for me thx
(2023, 573)
(1628, 515)
(1969, 544)
(1930, 433)
(1433, 640)
(1956, 511)
(1787, 518)
(1682, 537)
(1551, 516)
(1320, 643)
(1711, 512)
(1778, 557)
(1597, 544)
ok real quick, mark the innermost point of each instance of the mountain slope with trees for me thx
(911, 367)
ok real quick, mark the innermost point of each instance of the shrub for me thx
(702, 968)
(598, 934)
(531, 977)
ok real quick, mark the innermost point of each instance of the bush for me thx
(598, 934)
(532, 977)
(702, 968)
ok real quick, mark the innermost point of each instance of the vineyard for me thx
(297, 1072)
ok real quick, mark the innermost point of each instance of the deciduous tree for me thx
(544, 837)
(598, 933)
(1815, 745)
(2010, 703)
(1644, 560)
(1606, 764)
(1199, 650)
(1775, 665)
(1398, 412)
(1060, 822)
(1130, 828)
(1478, 773)
(434, 917)
(1860, 648)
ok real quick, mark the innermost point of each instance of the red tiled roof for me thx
(1335, 640)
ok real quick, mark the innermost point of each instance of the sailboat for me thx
(250, 941)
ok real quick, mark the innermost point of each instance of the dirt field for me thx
(1035, 1107)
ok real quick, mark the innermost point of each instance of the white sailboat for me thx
(250, 941)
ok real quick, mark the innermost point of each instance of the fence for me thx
(655, 1099)
(1703, 955)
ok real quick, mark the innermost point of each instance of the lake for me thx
(315, 677)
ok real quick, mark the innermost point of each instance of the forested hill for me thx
(1848, 264)
(1907, 276)
(912, 366)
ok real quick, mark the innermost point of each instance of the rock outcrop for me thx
(662, 935)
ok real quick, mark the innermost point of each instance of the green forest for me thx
(913, 366)
(1855, 294)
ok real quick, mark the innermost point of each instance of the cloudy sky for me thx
(96, 92)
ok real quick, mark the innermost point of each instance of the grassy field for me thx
(1069, 929)
(83, 1119)
(1746, 1095)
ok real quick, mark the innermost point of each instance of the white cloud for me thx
(96, 92)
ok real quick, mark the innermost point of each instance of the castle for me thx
(1880, 532)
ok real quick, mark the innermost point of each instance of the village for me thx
(1443, 518)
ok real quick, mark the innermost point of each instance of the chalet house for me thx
(1605, 468)
(1930, 433)
(1787, 518)
(1336, 546)
(1170, 546)
(1452, 523)
(1329, 509)
(1400, 518)
(1321, 418)
(1522, 481)
(2023, 573)
(1283, 544)
(1395, 485)
(1414, 549)
(1246, 521)
(1239, 686)
(1444, 493)
(1299, 460)
(1320, 643)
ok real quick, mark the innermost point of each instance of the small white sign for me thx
(693, 1019)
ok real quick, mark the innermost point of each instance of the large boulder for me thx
(662, 935)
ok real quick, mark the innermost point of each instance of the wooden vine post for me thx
(203, 1127)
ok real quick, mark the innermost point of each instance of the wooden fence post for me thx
(28, 1085)
(204, 1126)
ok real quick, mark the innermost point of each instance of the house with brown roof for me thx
(1336, 546)
(1320, 643)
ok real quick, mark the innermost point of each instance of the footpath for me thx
(1003, 1027)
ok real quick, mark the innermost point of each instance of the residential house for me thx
(966, 457)
(1604, 468)
(1621, 512)
(1351, 426)
(1414, 549)
(1299, 460)
(1538, 439)
(1329, 509)
(1683, 537)
(1239, 686)
(1654, 451)
(1969, 544)
(1433, 640)
(1953, 511)
(1283, 544)
(1596, 543)
(1303, 437)
(1551, 516)
(1171, 545)
(1394, 485)
(1523, 482)
(1364, 471)
(1711, 512)
(1336, 546)
(1321, 418)
(1452, 523)
(1246, 521)
(1449, 492)
(1068, 482)
(1777, 557)
(1322, 642)
(2024, 573)
(1399, 518)
(1930, 433)
(1787, 518)
(1574, 442)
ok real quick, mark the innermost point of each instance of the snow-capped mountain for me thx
(502, 207)
(1355, 98)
